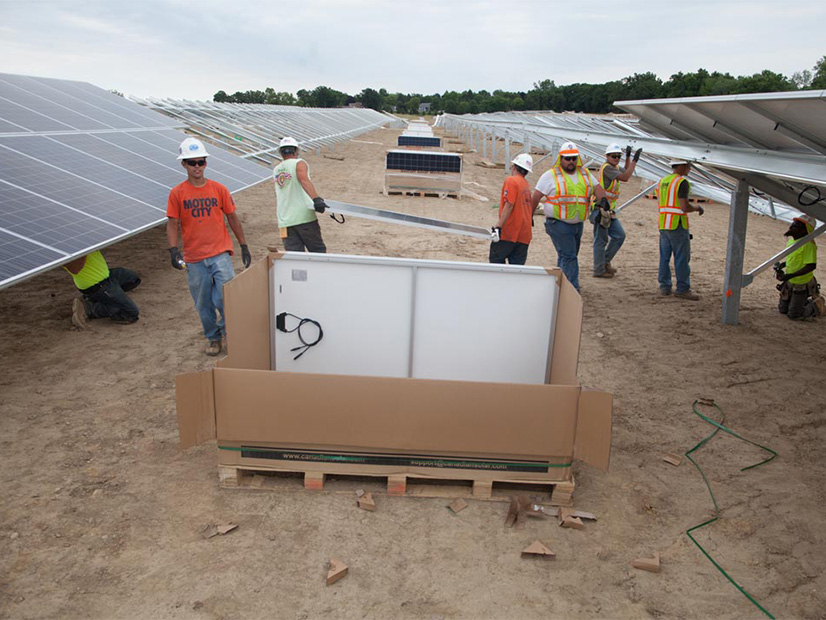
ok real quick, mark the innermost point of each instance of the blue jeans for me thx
(206, 284)
(566, 239)
(110, 300)
(613, 237)
(675, 242)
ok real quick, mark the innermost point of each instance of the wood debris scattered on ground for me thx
(210, 530)
(652, 565)
(673, 459)
(537, 550)
(366, 502)
(457, 505)
(338, 570)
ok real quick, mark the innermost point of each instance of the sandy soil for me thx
(101, 510)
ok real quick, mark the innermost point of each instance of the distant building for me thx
(355, 104)
(424, 108)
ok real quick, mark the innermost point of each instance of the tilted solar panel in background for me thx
(419, 141)
(81, 168)
(423, 161)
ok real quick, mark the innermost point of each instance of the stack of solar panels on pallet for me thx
(419, 135)
(425, 172)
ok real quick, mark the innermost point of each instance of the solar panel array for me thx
(423, 161)
(253, 130)
(81, 168)
(420, 141)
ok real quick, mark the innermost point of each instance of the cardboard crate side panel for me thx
(247, 312)
(195, 404)
(567, 335)
(448, 417)
(593, 428)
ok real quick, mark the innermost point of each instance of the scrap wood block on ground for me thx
(446, 484)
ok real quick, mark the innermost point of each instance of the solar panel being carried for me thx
(82, 168)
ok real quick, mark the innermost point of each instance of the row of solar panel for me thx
(423, 161)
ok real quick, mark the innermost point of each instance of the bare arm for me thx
(238, 230)
(630, 166)
(507, 209)
(535, 198)
(687, 207)
(172, 231)
(301, 172)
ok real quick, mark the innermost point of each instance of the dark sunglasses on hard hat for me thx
(617, 155)
(195, 162)
(569, 158)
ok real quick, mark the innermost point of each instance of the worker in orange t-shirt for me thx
(512, 234)
(198, 207)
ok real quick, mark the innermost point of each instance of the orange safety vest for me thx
(572, 201)
(613, 189)
(671, 213)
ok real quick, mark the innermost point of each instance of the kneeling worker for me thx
(799, 291)
(103, 291)
(512, 233)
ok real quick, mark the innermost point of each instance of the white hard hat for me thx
(806, 219)
(287, 141)
(568, 149)
(192, 148)
(524, 161)
(614, 148)
(679, 162)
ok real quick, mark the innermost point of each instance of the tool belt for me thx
(810, 289)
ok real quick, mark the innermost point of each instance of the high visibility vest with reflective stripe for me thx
(671, 214)
(613, 189)
(572, 200)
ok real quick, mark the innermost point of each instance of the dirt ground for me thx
(101, 509)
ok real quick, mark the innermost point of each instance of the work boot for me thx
(665, 292)
(79, 315)
(213, 348)
(689, 295)
(604, 274)
(610, 269)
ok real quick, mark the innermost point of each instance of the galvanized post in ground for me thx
(493, 146)
(733, 279)
(484, 145)
(507, 150)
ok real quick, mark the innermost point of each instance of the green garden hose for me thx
(718, 426)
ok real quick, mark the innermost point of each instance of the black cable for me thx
(281, 324)
(335, 219)
(806, 189)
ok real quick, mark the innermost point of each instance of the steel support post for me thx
(484, 145)
(493, 147)
(507, 150)
(733, 280)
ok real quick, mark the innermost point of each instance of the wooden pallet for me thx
(234, 477)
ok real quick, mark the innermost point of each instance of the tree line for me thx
(546, 94)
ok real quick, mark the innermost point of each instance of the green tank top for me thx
(94, 270)
(294, 204)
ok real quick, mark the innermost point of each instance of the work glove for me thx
(603, 204)
(246, 257)
(176, 258)
(780, 275)
(319, 205)
(700, 210)
(628, 151)
(637, 154)
(495, 232)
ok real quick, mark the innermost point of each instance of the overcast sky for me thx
(189, 49)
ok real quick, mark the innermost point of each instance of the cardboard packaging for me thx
(458, 430)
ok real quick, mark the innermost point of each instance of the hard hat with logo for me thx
(806, 219)
(679, 161)
(287, 141)
(568, 149)
(192, 148)
(614, 148)
(524, 161)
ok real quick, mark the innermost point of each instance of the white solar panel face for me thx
(81, 168)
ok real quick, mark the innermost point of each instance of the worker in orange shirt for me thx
(198, 207)
(512, 234)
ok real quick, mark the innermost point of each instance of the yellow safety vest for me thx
(671, 213)
(94, 270)
(613, 189)
(572, 201)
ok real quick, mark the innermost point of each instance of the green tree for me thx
(819, 78)
(370, 98)
(220, 97)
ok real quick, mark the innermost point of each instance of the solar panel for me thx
(82, 168)
(423, 161)
(420, 141)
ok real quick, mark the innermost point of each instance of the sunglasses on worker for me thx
(614, 155)
(195, 162)
(569, 158)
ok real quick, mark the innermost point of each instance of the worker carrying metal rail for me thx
(566, 192)
(102, 290)
(800, 296)
(512, 234)
(297, 201)
(197, 207)
(675, 239)
(609, 235)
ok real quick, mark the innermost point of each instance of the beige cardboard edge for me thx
(195, 405)
(565, 359)
(592, 444)
(247, 314)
